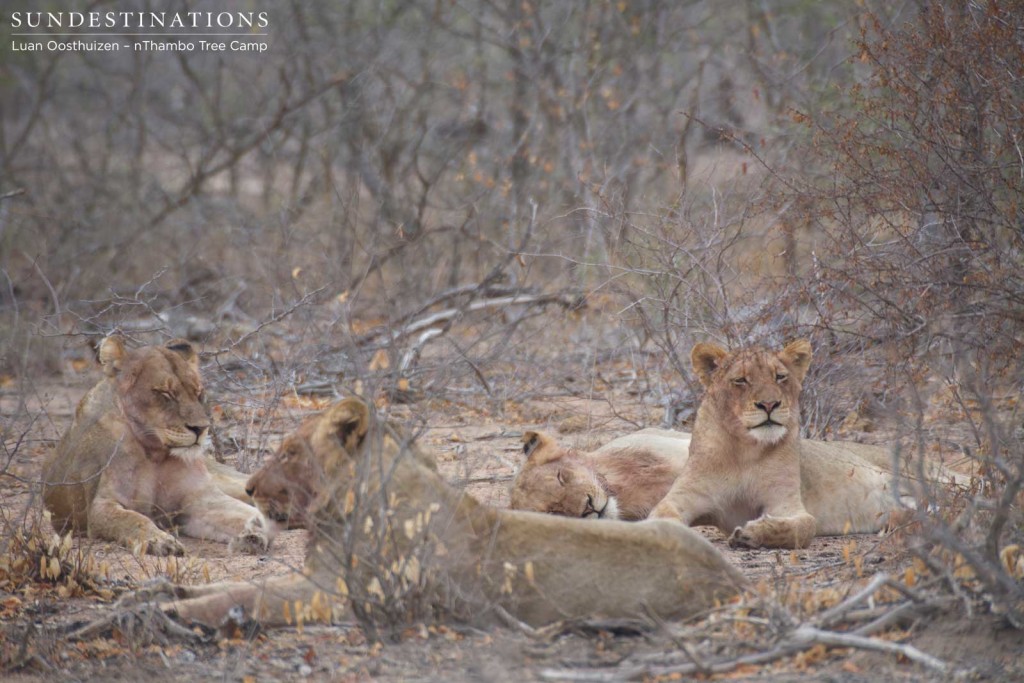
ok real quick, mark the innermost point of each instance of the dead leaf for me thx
(380, 361)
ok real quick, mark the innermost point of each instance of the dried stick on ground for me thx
(815, 636)
(799, 639)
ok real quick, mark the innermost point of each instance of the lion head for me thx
(754, 393)
(560, 482)
(318, 458)
(290, 479)
(159, 391)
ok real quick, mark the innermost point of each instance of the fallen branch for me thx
(450, 314)
(814, 636)
(647, 672)
(143, 622)
(902, 615)
(490, 479)
(836, 614)
(511, 622)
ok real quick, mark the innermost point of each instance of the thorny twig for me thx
(276, 318)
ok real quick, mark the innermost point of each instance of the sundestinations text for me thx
(139, 20)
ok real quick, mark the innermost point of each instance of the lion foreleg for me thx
(215, 516)
(210, 604)
(229, 480)
(768, 531)
(110, 520)
(281, 601)
(683, 504)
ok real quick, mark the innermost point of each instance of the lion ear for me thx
(797, 357)
(184, 348)
(540, 448)
(706, 358)
(112, 354)
(348, 420)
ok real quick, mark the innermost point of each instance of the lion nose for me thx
(198, 431)
(768, 406)
(249, 490)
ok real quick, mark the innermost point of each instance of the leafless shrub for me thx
(919, 258)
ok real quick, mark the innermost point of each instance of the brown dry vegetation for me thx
(487, 218)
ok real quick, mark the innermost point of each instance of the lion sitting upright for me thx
(388, 533)
(134, 457)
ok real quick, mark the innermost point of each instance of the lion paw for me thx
(254, 539)
(741, 538)
(665, 510)
(161, 546)
(154, 590)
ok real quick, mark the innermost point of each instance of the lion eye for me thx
(740, 382)
(780, 378)
(165, 394)
(561, 477)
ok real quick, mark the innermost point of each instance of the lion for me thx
(387, 532)
(750, 474)
(134, 458)
(624, 479)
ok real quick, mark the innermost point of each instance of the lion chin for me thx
(768, 434)
(610, 511)
(194, 453)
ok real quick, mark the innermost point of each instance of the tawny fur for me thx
(134, 460)
(377, 502)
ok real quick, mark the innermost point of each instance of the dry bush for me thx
(392, 583)
(388, 155)
(919, 257)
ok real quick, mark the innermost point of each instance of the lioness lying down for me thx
(386, 530)
(750, 474)
(133, 458)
